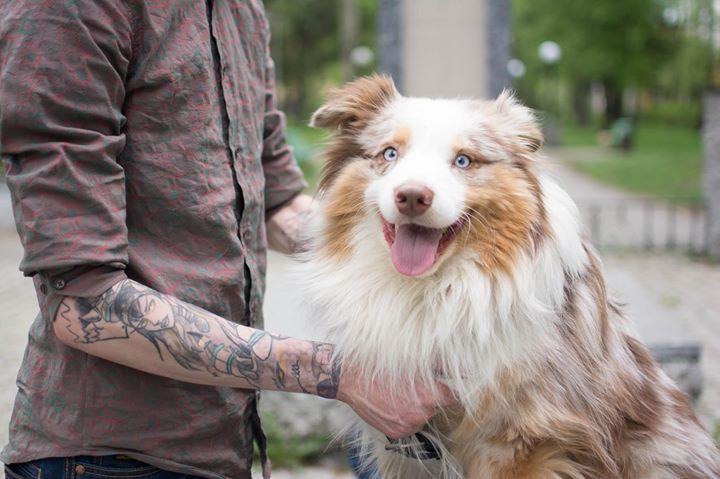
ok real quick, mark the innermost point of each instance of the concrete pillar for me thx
(349, 30)
(445, 48)
(390, 25)
(499, 38)
(711, 170)
(457, 48)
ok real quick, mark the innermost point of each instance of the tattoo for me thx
(323, 366)
(328, 388)
(200, 341)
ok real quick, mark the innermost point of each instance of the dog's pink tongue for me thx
(414, 249)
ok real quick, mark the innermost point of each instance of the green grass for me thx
(578, 136)
(288, 451)
(665, 161)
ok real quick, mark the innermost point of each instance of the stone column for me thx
(390, 33)
(711, 170)
(349, 30)
(499, 37)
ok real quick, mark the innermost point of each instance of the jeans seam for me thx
(36, 472)
(10, 474)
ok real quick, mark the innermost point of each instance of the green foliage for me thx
(665, 162)
(686, 72)
(306, 48)
(618, 40)
(287, 451)
(622, 39)
(661, 48)
(576, 136)
(306, 143)
(303, 42)
(674, 112)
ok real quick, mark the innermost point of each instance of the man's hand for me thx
(395, 415)
(285, 229)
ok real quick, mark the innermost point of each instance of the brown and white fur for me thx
(513, 311)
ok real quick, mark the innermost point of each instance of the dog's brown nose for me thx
(412, 199)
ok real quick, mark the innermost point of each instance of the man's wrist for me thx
(286, 228)
(329, 388)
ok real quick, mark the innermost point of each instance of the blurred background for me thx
(628, 95)
(626, 91)
(623, 73)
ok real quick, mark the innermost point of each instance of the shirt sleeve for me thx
(79, 281)
(62, 71)
(283, 177)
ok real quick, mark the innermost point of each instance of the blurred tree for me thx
(304, 39)
(349, 27)
(617, 43)
(306, 46)
(687, 70)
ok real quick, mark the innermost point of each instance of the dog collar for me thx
(424, 449)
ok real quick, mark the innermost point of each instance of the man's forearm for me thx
(138, 327)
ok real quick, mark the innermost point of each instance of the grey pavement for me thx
(310, 473)
(617, 219)
(671, 299)
(6, 218)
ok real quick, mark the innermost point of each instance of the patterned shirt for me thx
(141, 139)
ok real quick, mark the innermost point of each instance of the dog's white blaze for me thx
(435, 128)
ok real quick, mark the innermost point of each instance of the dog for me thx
(443, 251)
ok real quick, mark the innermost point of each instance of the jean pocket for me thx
(22, 471)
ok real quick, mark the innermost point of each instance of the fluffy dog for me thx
(442, 250)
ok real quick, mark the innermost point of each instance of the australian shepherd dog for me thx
(443, 252)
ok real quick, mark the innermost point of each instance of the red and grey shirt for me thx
(140, 139)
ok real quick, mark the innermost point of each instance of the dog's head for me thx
(441, 176)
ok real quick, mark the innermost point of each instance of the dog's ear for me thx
(352, 106)
(520, 120)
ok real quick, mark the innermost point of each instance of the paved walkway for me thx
(671, 300)
(616, 219)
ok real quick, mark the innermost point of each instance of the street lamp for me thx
(516, 68)
(549, 52)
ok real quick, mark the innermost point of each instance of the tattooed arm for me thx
(138, 327)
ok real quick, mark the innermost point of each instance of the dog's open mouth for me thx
(415, 249)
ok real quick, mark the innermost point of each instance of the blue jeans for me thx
(362, 471)
(367, 472)
(89, 467)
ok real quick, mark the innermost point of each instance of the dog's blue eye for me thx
(462, 161)
(390, 154)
